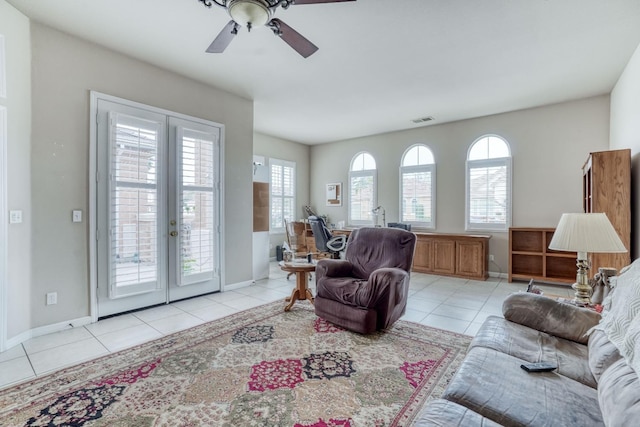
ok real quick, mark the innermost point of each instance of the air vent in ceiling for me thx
(423, 119)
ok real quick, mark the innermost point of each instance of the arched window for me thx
(488, 183)
(418, 186)
(362, 189)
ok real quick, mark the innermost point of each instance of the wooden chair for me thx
(297, 239)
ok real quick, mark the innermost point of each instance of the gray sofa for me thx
(596, 382)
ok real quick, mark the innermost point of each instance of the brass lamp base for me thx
(583, 292)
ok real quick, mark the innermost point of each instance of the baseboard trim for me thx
(239, 285)
(500, 275)
(47, 329)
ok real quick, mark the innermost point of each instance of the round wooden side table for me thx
(301, 291)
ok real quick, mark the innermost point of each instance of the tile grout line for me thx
(29, 360)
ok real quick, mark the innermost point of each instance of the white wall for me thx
(270, 146)
(15, 28)
(64, 70)
(625, 133)
(549, 146)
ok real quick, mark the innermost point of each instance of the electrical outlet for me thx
(491, 258)
(52, 298)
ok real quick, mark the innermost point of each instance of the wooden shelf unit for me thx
(531, 258)
(606, 187)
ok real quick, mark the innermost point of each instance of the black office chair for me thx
(325, 241)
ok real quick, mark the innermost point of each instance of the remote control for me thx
(539, 367)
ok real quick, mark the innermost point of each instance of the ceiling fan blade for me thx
(293, 38)
(318, 1)
(224, 38)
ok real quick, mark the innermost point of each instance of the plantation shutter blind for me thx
(417, 183)
(361, 197)
(196, 189)
(133, 205)
(488, 193)
(283, 191)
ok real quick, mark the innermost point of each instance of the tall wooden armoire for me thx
(606, 187)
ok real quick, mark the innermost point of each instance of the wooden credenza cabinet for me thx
(459, 255)
(606, 185)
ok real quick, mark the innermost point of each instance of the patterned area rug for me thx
(261, 367)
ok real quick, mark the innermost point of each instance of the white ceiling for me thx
(380, 63)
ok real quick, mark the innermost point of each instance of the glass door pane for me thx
(197, 250)
(133, 213)
(131, 244)
(194, 253)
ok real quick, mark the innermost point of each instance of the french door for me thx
(158, 205)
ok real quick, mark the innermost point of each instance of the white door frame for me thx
(3, 228)
(93, 189)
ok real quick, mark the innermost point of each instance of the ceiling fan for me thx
(254, 13)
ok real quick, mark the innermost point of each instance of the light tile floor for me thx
(457, 305)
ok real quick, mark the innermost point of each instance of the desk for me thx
(301, 291)
(345, 231)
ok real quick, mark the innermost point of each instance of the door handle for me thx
(173, 233)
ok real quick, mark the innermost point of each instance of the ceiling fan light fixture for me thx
(249, 13)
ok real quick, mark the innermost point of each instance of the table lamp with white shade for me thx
(583, 233)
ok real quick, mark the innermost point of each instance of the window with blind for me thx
(283, 193)
(418, 187)
(488, 185)
(362, 189)
(133, 188)
(197, 152)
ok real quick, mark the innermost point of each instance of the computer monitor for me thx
(400, 225)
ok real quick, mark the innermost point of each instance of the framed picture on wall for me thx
(334, 194)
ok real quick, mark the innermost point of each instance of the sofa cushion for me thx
(548, 315)
(534, 346)
(619, 395)
(602, 353)
(443, 413)
(492, 384)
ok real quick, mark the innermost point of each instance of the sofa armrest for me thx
(548, 315)
(333, 268)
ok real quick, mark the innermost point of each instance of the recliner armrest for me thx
(333, 268)
(548, 315)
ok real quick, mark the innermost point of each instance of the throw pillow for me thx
(621, 307)
(631, 344)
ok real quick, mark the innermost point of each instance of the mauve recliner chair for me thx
(368, 290)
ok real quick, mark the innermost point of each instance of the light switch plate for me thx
(15, 217)
(77, 216)
(52, 298)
